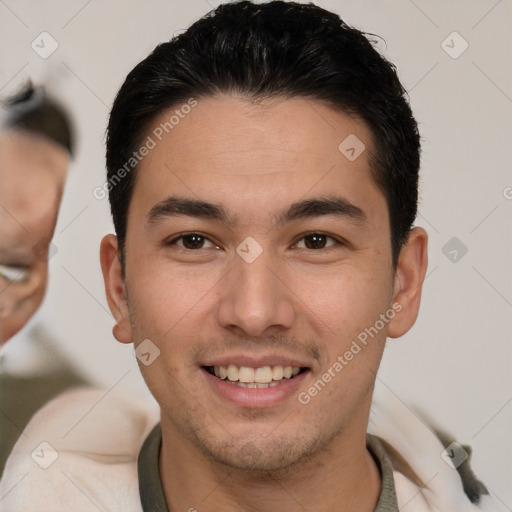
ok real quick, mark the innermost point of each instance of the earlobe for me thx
(115, 289)
(408, 283)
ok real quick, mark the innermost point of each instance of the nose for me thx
(254, 297)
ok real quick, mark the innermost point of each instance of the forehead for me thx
(242, 152)
(285, 125)
(32, 176)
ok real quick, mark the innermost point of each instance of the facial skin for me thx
(293, 304)
(33, 171)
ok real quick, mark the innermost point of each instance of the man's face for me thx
(32, 175)
(278, 283)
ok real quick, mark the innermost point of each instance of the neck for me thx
(344, 476)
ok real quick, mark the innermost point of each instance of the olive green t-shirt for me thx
(152, 494)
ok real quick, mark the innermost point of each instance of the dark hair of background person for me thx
(270, 50)
(31, 110)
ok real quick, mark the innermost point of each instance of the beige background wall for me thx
(456, 363)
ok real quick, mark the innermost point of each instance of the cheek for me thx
(346, 299)
(30, 304)
(16, 318)
(353, 346)
(33, 298)
(22, 300)
(165, 300)
(168, 308)
(9, 325)
(350, 303)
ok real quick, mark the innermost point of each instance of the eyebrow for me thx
(174, 206)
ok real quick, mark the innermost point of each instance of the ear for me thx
(115, 289)
(408, 282)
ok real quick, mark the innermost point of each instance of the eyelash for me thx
(312, 233)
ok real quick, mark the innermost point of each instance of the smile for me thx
(262, 377)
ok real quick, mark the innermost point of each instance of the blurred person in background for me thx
(222, 139)
(36, 146)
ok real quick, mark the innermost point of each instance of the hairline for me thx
(374, 157)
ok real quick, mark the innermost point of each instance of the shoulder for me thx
(80, 449)
(431, 471)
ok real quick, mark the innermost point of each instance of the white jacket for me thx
(79, 454)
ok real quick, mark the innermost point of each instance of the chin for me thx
(263, 456)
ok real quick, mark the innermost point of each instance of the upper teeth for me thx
(262, 375)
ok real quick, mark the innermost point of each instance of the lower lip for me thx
(255, 397)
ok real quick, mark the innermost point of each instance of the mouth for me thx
(256, 378)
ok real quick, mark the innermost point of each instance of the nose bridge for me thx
(254, 297)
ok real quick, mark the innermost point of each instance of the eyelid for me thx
(14, 274)
(173, 240)
(321, 233)
(310, 233)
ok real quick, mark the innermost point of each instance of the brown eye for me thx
(316, 241)
(191, 241)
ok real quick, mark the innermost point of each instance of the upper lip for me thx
(256, 361)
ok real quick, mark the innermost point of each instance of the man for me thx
(36, 144)
(35, 150)
(262, 172)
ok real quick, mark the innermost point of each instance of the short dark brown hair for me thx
(269, 50)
